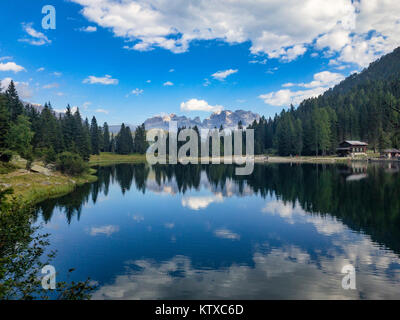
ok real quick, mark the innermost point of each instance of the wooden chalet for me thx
(390, 153)
(351, 148)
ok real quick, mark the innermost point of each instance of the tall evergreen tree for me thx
(68, 129)
(20, 136)
(106, 138)
(140, 144)
(124, 141)
(82, 138)
(4, 122)
(94, 136)
(14, 104)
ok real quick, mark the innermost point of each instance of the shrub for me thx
(50, 155)
(71, 164)
(6, 155)
(7, 167)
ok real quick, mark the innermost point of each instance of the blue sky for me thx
(259, 56)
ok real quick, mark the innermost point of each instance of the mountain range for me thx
(228, 119)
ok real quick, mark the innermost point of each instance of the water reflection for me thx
(167, 232)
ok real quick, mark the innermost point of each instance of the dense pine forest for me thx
(364, 106)
(45, 134)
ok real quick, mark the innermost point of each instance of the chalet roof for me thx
(391, 151)
(356, 143)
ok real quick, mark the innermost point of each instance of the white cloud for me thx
(40, 69)
(334, 40)
(51, 85)
(102, 111)
(103, 230)
(285, 97)
(206, 82)
(199, 105)
(221, 75)
(358, 31)
(86, 105)
(168, 84)
(294, 52)
(57, 74)
(88, 29)
(288, 85)
(5, 58)
(73, 110)
(106, 80)
(197, 203)
(322, 81)
(148, 81)
(136, 92)
(263, 61)
(11, 66)
(36, 38)
(171, 70)
(282, 209)
(169, 225)
(226, 234)
(23, 89)
(138, 218)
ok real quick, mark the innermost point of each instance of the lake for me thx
(201, 232)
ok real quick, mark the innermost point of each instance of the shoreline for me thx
(311, 159)
(105, 158)
(32, 187)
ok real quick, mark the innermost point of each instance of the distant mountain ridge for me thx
(228, 119)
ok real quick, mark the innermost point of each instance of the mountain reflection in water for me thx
(201, 232)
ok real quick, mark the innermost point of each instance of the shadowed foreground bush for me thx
(22, 257)
(71, 164)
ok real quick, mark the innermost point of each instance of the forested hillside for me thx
(45, 134)
(363, 107)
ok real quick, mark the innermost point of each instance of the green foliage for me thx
(15, 105)
(124, 141)
(140, 144)
(94, 136)
(50, 155)
(106, 138)
(5, 123)
(20, 136)
(6, 167)
(22, 257)
(71, 164)
(6, 155)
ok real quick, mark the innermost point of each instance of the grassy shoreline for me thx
(32, 188)
(105, 158)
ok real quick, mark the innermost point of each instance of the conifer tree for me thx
(94, 136)
(140, 144)
(14, 104)
(4, 123)
(81, 139)
(106, 137)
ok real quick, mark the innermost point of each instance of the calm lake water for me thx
(200, 232)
